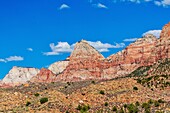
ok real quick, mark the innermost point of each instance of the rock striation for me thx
(85, 63)
(18, 75)
(44, 76)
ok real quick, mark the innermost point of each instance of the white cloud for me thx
(103, 47)
(99, 5)
(30, 49)
(14, 58)
(158, 3)
(64, 47)
(130, 39)
(61, 47)
(64, 6)
(163, 3)
(154, 32)
(3, 60)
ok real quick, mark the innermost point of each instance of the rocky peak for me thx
(146, 39)
(45, 75)
(165, 31)
(19, 75)
(84, 50)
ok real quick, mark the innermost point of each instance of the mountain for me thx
(19, 75)
(132, 57)
(85, 63)
(45, 75)
(134, 80)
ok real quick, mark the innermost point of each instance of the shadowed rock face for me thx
(19, 75)
(45, 75)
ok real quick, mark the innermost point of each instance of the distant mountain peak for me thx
(83, 49)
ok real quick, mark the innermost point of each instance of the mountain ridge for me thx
(86, 63)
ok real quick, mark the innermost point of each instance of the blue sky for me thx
(36, 33)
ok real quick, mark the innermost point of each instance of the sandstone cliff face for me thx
(19, 75)
(132, 57)
(137, 52)
(58, 67)
(162, 47)
(85, 63)
(45, 75)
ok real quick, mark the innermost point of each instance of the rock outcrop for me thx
(132, 57)
(162, 47)
(58, 67)
(19, 75)
(45, 76)
(85, 63)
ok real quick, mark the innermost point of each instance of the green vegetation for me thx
(135, 88)
(137, 103)
(102, 92)
(132, 108)
(114, 108)
(141, 71)
(161, 101)
(67, 111)
(121, 110)
(106, 104)
(43, 100)
(93, 82)
(150, 101)
(156, 104)
(28, 103)
(36, 94)
(83, 109)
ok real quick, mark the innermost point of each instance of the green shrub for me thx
(106, 104)
(121, 110)
(43, 100)
(102, 92)
(28, 103)
(150, 101)
(147, 110)
(132, 108)
(161, 101)
(156, 104)
(137, 103)
(36, 94)
(125, 105)
(145, 105)
(93, 82)
(114, 108)
(135, 88)
(83, 109)
(79, 107)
